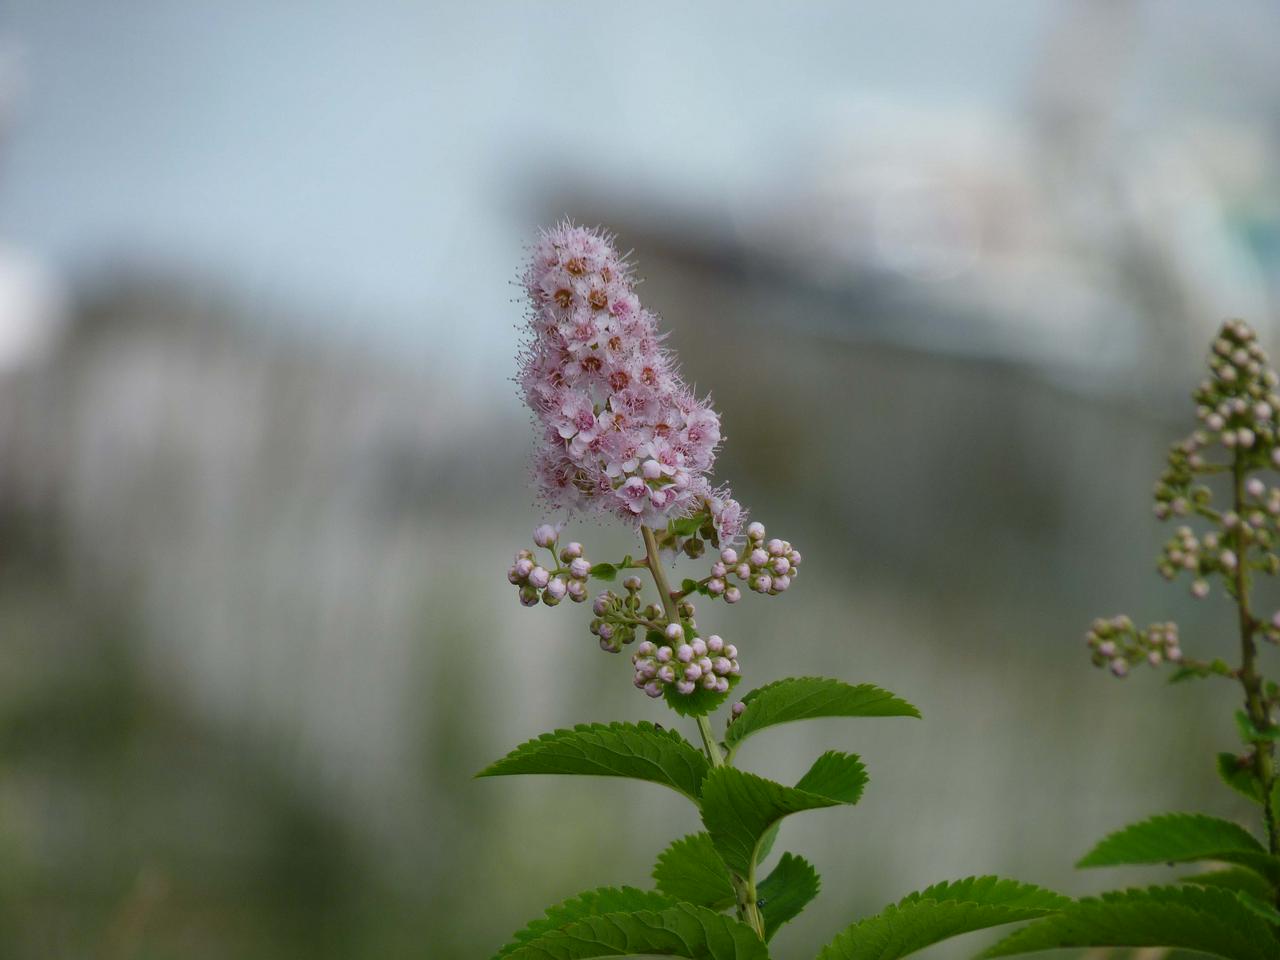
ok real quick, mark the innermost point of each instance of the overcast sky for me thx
(373, 159)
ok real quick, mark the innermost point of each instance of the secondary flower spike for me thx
(621, 433)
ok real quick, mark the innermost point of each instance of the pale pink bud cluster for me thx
(559, 576)
(1202, 556)
(767, 566)
(684, 663)
(622, 434)
(1118, 645)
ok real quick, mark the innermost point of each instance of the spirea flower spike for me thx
(621, 435)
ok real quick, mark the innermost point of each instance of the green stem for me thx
(1250, 679)
(744, 888)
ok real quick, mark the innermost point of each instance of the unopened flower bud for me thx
(1119, 666)
(758, 558)
(684, 653)
(674, 631)
(715, 586)
(600, 605)
(663, 654)
(699, 647)
(719, 570)
(653, 689)
(545, 535)
(1228, 559)
(557, 589)
(729, 556)
(1255, 487)
(755, 530)
(571, 551)
(715, 644)
(605, 631)
(632, 583)
(528, 595)
(692, 672)
(1200, 589)
(775, 547)
(731, 651)
(737, 708)
(732, 595)
(685, 687)
(743, 570)
(523, 567)
(666, 673)
(539, 577)
(709, 681)
(577, 591)
(651, 469)
(722, 685)
(720, 666)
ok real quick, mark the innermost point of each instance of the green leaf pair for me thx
(691, 870)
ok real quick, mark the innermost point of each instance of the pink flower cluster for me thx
(622, 434)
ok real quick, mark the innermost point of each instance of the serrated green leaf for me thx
(699, 703)
(1190, 918)
(803, 698)
(643, 751)
(1238, 776)
(1233, 878)
(939, 912)
(1261, 907)
(603, 571)
(739, 808)
(1182, 838)
(590, 904)
(691, 870)
(788, 889)
(684, 930)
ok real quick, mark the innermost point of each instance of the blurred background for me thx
(262, 466)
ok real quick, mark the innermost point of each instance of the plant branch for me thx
(744, 888)
(1250, 680)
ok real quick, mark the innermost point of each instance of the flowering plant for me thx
(1227, 912)
(622, 435)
